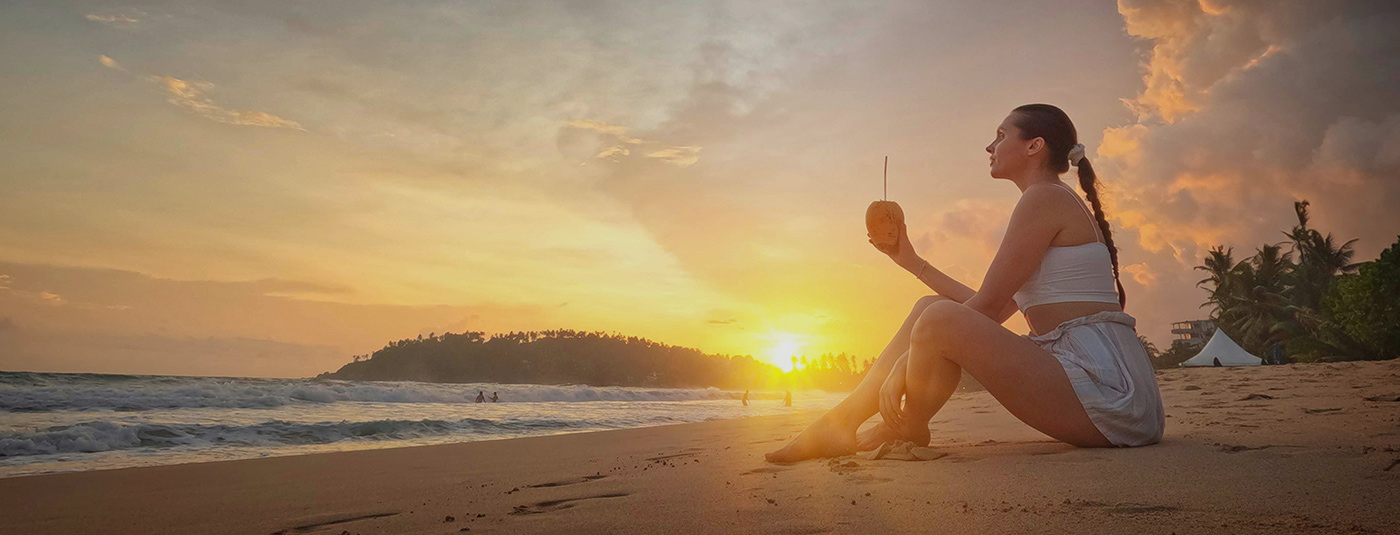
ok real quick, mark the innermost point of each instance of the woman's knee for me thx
(923, 303)
(939, 321)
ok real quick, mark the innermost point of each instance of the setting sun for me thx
(784, 346)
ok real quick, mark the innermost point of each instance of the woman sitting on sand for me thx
(1081, 377)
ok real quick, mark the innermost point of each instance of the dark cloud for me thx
(1247, 107)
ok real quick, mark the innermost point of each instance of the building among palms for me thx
(1192, 335)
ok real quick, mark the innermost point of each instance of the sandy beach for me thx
(1308, 448)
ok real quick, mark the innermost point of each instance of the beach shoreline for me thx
(1307, 448)
(52, 423)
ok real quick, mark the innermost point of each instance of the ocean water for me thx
(59, 422)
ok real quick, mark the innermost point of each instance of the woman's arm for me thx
(936, 280)
(949, 287)
(941, 283)
(1033, 226)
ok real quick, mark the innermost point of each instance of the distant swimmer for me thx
(787, 399)
(746, 398)
(494, 397)
(481, 397)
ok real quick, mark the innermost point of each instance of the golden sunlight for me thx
(784, 350)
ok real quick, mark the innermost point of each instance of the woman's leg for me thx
(864, 401)
(1026, 379)
(834, 432)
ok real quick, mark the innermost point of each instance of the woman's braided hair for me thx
(1053, 125)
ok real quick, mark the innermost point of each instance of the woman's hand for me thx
(905, 256)
(891, 394)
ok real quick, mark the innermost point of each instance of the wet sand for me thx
(1311, 448)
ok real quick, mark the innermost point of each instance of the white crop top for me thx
(1081, 272)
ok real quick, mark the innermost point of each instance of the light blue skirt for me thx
(1111, 374)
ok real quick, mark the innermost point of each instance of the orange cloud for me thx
(612, 153)
(116, 18)
(681, 156)
(1124, 143)
(620, 132)
(191, 96)
(604, 141)
(1142, 273)
(1195, 45)
(1169, 25)
(1244, 108)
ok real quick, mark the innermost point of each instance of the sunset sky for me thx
(266, 188)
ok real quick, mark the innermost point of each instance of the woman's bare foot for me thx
(872, 438)
(826, 437)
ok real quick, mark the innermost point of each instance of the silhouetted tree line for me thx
(1306, 303)
(596, 358)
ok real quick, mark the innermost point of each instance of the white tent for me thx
(1222, 348)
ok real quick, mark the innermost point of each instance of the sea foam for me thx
(53, 422)
(31, 392)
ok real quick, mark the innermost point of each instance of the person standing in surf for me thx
(1080, 377)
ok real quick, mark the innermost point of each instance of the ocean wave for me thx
(40, 392)
(101, 436)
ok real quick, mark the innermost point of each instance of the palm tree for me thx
(1220, 265)
(1256, 307)
(1319, 260)
(1149, 347)
(1267, 300)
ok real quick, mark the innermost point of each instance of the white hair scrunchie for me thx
(1076, 154)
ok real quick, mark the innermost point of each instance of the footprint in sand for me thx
(1320, 411)
(1123, 508)
(780, 439)
(674, 455)
(1068, 456)
(798, 529)
(1228, 448)
(847, 467)
(556, 505)
(566, 482)
(332, 521)
(866, 479)
(766, 470)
